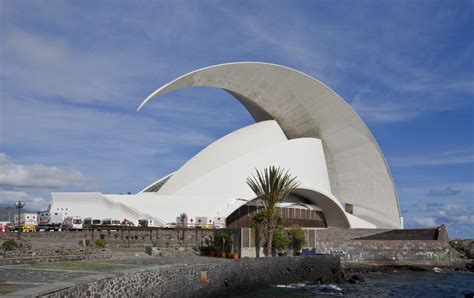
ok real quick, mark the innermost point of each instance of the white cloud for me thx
(448, 191)
(439, 159)
(426, 222)
(51, 67)
(34, 203)
(384, 111)
(37, 175)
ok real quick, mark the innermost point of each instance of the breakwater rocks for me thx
(208, 279)
(464, 247)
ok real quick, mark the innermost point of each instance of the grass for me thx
(81, 266)
(5, 289)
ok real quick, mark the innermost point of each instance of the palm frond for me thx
(272, 185)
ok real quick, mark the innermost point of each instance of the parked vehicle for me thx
(96, 222)
(49, 221)
(115, 222)
(4, 226)
(127, 223)
(87, 221)
(28, 222)
(143, 223)
(72, 224)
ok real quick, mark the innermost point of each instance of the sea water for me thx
(396, 284)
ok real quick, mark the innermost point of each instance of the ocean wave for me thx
(325, 289)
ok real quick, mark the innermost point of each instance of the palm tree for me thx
(271, 186)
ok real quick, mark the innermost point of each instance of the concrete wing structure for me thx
(302, 126)
(305, 108)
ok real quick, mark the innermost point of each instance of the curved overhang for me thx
(333, 211)
(305, 107)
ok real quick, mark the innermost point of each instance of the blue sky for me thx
(73, 73)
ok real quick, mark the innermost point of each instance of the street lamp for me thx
(19, 205)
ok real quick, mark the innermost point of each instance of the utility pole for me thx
(19, 205)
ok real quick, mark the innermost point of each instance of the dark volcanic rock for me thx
(465, 247)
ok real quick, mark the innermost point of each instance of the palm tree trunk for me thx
(269, 243)
(270, 230)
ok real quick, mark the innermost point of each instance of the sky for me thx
(72, 74)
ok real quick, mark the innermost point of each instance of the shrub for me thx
(100, 243)
(10, 244)
(220, 241)
(298, 237)
(280, 240)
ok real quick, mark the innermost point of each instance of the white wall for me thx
(226, 149)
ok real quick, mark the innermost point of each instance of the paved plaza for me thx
(24, 280)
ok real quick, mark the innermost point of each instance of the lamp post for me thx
(19, 205)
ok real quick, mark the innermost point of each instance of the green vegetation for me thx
(271, 186)
(220, 241)
(100, 243)
(5, 289)
(280, 240)
(298, 237)
(10, 244)
(207, 246)
(257, 223)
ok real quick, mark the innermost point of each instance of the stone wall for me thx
(127, 237)
(33, 256)
(370, 244)
(216, 279)
(385, 245)
(326, 235)
(382, 250)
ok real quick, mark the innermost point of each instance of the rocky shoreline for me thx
(353, 272)
(466, 265)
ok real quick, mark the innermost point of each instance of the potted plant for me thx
(220, 241)
(207, 247)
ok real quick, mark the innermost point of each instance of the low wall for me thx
(198, 280)
(34, 256)
(116, 238)
(382, 250)
(370, 244)
(385, 245)
(327, 235)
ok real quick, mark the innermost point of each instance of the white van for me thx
(72, 224)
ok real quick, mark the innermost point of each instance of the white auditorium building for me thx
(301, 125)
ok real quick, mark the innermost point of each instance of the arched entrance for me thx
(304, 207)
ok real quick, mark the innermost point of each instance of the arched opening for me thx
(303, 207)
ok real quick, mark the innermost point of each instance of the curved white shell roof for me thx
(304, 107)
